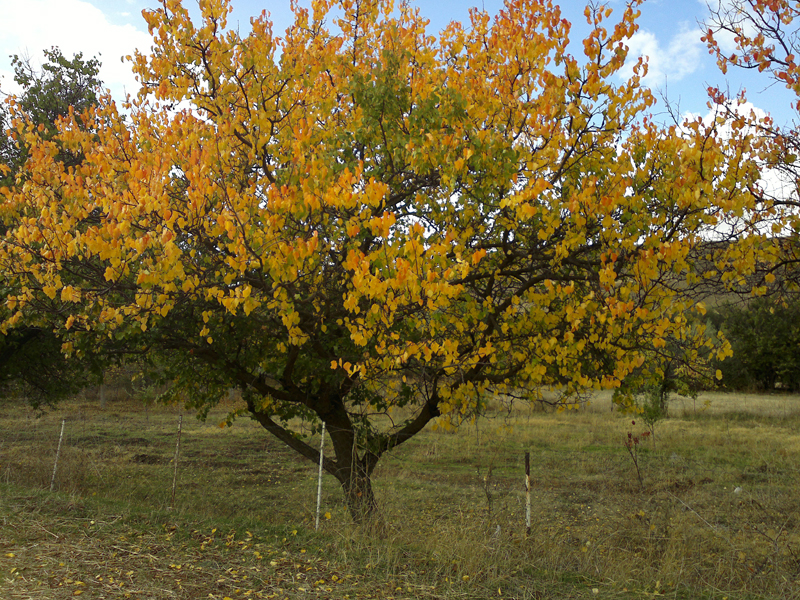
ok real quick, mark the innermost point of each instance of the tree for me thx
(364, 225)
(675, 368)
(47, 95)
(764, 334)
(762, 331)
(30, 356)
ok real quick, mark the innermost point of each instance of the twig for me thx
(46, 531)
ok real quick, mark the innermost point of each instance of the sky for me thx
(681, 68)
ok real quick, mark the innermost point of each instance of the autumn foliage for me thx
(762, 36)
(369, 224)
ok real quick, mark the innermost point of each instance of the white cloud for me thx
(681, 58)
(28, 26)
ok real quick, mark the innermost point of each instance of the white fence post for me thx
(319, 477)
(58, 451)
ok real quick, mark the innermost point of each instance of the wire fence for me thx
(154, 456)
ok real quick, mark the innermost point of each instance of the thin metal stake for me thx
(527, 493)
(175, 472)
(319, 478)
(58, 451)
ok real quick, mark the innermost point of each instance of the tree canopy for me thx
(364, 224)
(764, 334)
(766, 39)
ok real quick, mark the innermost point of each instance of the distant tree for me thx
(60, 86)
(31, 360)
(764, 334)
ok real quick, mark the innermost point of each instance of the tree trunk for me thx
(359, 496)
(353, 472)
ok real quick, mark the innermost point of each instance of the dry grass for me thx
(718, 514)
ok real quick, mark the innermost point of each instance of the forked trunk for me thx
(353, 471)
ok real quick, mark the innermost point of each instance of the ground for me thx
(717, 514)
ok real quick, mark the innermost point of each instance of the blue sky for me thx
(669, 34)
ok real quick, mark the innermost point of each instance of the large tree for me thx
(361, 224)
(31, 360)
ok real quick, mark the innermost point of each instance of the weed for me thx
(632, 445)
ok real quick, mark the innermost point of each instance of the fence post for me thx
(527, 494)
(58, 451)
(319, 477)
(175, 472)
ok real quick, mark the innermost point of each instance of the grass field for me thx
(717, 514)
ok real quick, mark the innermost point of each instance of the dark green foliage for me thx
(31, 364)
(765, 336)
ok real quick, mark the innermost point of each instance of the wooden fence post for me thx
(527, 494)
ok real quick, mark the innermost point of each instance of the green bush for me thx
(765, 337)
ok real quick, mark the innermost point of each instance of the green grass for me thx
(242, 524)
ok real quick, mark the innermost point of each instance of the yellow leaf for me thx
(478, 255)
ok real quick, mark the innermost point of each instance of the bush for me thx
(765, 336)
